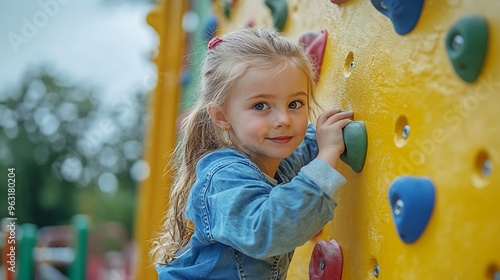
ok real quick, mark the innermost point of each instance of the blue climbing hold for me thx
(412, 201)
(185, 77)
(210, 27)
(404, 14)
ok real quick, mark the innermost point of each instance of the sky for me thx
(107, 46)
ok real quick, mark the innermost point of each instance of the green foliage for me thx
(71, 154)
(118, 207)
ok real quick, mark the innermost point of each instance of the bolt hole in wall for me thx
(349, 64)
(483, 167)
(402, 131)
(375, 268)
(457, 41)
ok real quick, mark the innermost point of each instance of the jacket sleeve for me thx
(248, 214)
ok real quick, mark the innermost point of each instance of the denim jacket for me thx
(247, 227)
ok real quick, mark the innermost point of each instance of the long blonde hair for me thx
(223, 66)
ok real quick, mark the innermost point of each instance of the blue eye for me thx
(295, 105)
(260, 106)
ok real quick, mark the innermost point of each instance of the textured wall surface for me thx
(453, 141)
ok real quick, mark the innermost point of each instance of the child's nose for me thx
(281, 119)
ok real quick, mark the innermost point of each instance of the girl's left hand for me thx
(329, 134)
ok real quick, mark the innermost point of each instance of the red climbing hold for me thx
(250, 23)
(338, 2)
(314, 44)
(326, 261)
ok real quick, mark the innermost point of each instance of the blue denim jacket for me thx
(246, 227)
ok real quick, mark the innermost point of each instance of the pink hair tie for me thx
(214, 42)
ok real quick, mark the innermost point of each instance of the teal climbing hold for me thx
(227, 9)
(356, 143)
(412, 202)
(404, 14)
(279, 12)
(466, 45)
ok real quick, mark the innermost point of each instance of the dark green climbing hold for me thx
(227, 9)
(466, 44)
(279, 12)
(356, 142)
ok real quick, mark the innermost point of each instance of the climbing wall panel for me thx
(160, 140)
(428, 92)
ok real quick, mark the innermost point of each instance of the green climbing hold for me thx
(279, 12)
(227, 9)
(466, 44)
(356, 142)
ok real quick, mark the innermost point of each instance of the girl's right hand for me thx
(329, 134)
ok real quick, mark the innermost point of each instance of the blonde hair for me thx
(224, 65)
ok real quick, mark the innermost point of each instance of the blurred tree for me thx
(71, 154)
(129, 1)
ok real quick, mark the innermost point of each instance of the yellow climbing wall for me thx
(406, 82)
(152, 200)
(422, 120)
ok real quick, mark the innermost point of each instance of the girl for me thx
(253, 180)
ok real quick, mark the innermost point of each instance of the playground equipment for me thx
(26, 252)
(423, 78)
(29, 254)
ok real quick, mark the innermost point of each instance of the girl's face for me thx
(268, 115)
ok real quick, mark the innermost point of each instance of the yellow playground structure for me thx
(423, 78)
